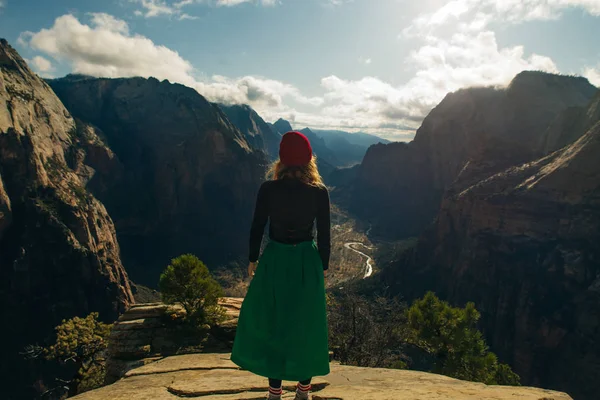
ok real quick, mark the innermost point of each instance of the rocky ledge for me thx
(215, 377)
(144, 334)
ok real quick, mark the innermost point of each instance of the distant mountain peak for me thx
(540, 79)
(283, 126)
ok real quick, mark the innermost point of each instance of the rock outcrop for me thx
(179, 176)
(259, 135)
(59, 255)
(399, 187)
(149, 332)
(215, 377)
(523, 245)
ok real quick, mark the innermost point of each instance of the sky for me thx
(375, 66)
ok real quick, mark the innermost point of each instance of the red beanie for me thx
(295, 150)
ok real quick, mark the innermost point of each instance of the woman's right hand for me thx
(252, 269)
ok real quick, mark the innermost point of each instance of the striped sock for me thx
(275, 393)
(303, 390)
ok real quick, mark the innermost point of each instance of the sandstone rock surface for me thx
(146, 333)
(59, 255)
(523, 245)
(215, 377)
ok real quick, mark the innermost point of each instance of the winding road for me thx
(369, 269)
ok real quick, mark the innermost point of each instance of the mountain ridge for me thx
(59, 255)
(464, 125)
(197, 166)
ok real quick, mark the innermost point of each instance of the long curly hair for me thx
(308, 173)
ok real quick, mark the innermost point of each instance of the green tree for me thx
(451, 335)
(83, 342)
(506, 376)
(187, 281)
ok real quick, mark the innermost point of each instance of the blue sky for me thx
(370, 65)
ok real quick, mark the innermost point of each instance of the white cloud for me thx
(24, 38)
(106, 48)
(442, 66)
(335, 3)
(231, 3)
(183, 3)
(593, 75)
(470, 56)
(41, 64)
(109, 23)
(477, 14)
(364, 60)
(260, 92)
(185, 16)
(157, 8)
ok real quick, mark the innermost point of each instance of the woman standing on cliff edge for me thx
(282, 329)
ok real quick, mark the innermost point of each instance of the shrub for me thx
(83, 342)
(451, 335)
(188, 282)
(366, 332)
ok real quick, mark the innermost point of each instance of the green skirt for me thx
(282, 329)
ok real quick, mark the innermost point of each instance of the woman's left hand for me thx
(252, 269)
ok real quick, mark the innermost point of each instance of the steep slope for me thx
(282, 126)
(184, 179)
(507, 124)
(523, 245)
(59, 255)
(258, 134)
(320, 148)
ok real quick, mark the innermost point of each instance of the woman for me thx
(282, 329)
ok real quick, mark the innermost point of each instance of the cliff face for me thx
(59, 255)
(259, 135)
(509, 124)
(523, 245)
(179, 176)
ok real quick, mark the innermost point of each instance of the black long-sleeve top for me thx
(292, 207)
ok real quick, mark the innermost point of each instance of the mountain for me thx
(350, 148)
(182, 176)
(59, 255)
(399, 187)
(258, 134)
(282, 126)
(348, 153)
(320, 148)
(318, 144)
(338, 148)
(521, 241)
(326, 159)
(361, 139)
